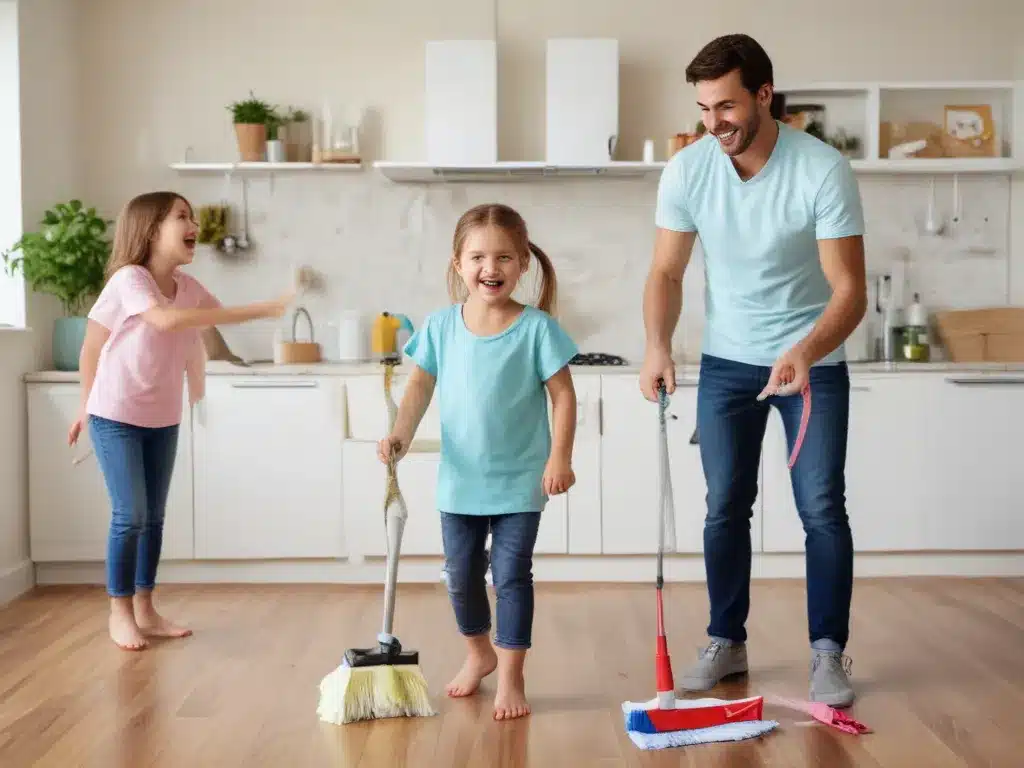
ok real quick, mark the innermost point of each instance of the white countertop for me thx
(685, 370)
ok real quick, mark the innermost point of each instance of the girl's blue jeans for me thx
(511, 560)
(137, 463)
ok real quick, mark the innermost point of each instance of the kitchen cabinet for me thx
(268, 467)
(69, 506)
(931, 465)
(629, 470)
(368, 412)
(583, 501)
(364, 489)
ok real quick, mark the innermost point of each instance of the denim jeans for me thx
(512, 538)
(731, 423)
(137, 463)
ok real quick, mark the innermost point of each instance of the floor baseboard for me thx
(16, 581)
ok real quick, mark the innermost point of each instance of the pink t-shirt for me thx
(141, 371)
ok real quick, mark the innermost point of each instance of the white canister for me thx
(353, 337)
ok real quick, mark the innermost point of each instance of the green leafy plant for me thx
(66, 257)
(274, 122)
(252, 111)
(298, 116)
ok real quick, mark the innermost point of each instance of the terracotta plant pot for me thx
(252, 141)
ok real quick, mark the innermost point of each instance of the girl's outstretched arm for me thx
(175, 318)
(419, 389)
(558, 475)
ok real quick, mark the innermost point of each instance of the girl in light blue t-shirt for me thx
(495, 363)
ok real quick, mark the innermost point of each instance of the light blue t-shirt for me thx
(764, 286)
(495, 432)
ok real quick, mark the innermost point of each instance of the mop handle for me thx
(393, 524)
(663, 447)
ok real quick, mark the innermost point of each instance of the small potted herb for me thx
(251, 118)
(65, 258)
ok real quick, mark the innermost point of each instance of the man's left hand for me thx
(789, 376)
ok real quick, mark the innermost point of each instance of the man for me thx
(779, 216)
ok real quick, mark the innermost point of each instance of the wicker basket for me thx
(990, 335)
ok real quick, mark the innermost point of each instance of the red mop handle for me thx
(662, 663)
(805, 416)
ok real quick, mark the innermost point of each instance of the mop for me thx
(666, 721)
(385, 681)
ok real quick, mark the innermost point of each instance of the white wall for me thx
(12, 288)
(52, 117)
(16, 359)
(155, 78)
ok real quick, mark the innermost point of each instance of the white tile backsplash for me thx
(385, 246)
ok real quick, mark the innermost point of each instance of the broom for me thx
(385, 681)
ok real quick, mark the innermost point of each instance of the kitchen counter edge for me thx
(685, 370)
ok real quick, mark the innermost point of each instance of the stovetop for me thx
(597, 358)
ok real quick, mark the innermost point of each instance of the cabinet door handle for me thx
(274, 384)
(986, 381)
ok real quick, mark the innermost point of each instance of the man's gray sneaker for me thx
(714, 663)
(830, 683)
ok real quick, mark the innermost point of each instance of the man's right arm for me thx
(663, 298)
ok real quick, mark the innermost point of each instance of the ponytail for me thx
(548, 282)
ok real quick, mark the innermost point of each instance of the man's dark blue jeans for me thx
(731, 424)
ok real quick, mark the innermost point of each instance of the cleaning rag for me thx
(643, 735)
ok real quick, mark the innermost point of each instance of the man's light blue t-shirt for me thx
(764, 285)
(495, 431)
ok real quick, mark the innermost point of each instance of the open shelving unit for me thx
(859, 108)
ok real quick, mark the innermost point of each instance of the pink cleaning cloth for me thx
(822, 713)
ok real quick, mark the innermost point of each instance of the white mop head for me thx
(738, 731)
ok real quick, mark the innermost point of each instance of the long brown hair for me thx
(509, 220)
(136, 225)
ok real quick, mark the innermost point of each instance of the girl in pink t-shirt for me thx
(143, 337)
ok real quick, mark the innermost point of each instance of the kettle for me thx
(384, 338)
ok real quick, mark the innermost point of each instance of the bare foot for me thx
(480, 662)
(152, 623)
(155, 625)
(510, 701)
(124, 631)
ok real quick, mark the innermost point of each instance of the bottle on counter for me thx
(915, 333)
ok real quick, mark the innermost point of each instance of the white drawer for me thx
(368, 412)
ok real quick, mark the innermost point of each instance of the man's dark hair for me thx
(724, 54)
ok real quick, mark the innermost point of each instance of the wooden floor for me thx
(938, 664)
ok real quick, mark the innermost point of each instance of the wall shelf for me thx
(510, 171)
(861, 108)
(938, 165)
(262, 167)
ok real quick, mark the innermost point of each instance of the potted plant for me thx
(250, 118)
(65, 258)
(275, 142)
(298, 137)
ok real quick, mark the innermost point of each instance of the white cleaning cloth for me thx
(740, 731)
